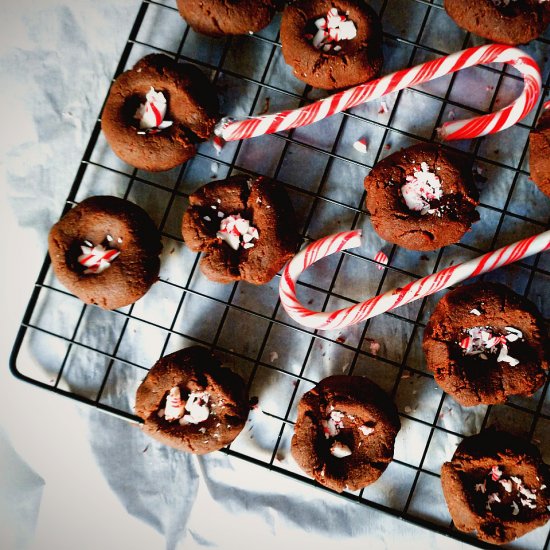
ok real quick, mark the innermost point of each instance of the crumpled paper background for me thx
(57, 60)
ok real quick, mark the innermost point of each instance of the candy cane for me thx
(230, 130)
(398, 297)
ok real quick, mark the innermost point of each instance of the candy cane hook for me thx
(328, 320)
(229, 130)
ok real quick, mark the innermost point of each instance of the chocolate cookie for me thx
(332, 43)
(157, 112)
(221, 17)
(345, 432)
(106, 251)
(421, 198)
(188, 401)
(245, 227)
(497, 484)
(485, 343)
(505, 21)
(539, 153)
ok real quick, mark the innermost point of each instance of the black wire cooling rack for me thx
(89, 355)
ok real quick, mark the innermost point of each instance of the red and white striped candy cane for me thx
(328, 320)
(229, 130)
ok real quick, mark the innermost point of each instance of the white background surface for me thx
(56, 61)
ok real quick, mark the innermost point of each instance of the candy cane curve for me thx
(230, 130)
(414, 290)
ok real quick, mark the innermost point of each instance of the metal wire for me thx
(228, 304)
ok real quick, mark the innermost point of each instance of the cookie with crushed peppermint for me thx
(332, 45)
(244, 226)
(157, 112)
(106, 250)
(222, 18)
(505, 21)
(345, 432)
(485, 343)
(422, 197)
(189, 402)
(497, 485)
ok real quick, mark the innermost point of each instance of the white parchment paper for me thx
(57, 60)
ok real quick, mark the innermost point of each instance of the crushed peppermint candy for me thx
(330, 30)
(333, 424)
(528, 503)
(516, 480)
(422, 188)
(197, 408)
(237, 231)
(339, 450)
(483, 340)
(366, 430)
(174, 405)
(96, 258)
(382, 259)
(151, 113)
(383, 109)
(527, 493)
(361, 145)
(507, 484)
(526, 496)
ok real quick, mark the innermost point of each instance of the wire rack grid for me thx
(89, 355)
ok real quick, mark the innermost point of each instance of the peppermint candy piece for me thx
(422, 188)
(151, 113)
(174, 405)
(97, 258)
(237, 231)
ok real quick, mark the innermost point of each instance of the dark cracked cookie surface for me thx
(332, 44)
(421, 198)
(227, 17)
(485, 343)
(504, 21)
(106, 251)
(345, 432)
(497, 485)
(539, 153)
(189, 402)
(157, 112)
(244, 226)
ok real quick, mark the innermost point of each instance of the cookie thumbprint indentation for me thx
(421, 198)
(192, 403)
(157, 112)
(332, 45)
(485, 343)
(106, 251)
(345, 432)
(497, 485)
(245, 228)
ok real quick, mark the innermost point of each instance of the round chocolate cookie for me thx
(221, 17)
(539, 153)
(485, 343)
(504, 21)
(345, 432)
(332, 44)
(190, 402)
(245, 227)
(498, 485)
(157, 112)
(106, 251)
(421, 198)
